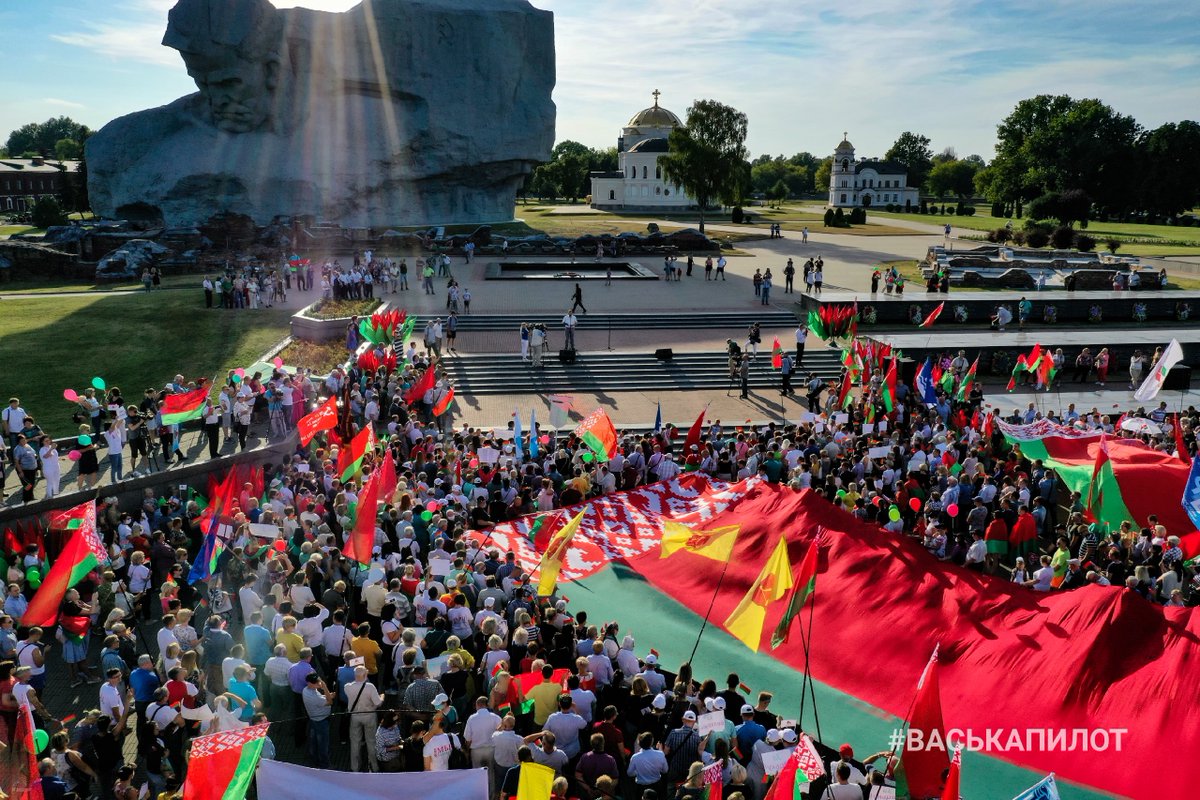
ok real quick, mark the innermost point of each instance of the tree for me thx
(912, 150)
(953, 177)
(605, 160)
(707, 155)
(1066, 207)
(42, 137)
(948, 154)
(822, 173)
(67, 149)
(1169, 165)
(47, 212)
(778, 192)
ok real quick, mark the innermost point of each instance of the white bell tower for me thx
(842, 191)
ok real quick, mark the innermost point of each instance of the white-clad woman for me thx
(51, 469)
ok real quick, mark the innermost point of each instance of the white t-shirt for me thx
(1042, 578)
(110, 698)
(438, 750)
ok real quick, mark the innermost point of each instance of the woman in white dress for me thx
(51, 469)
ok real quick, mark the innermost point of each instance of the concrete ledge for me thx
(311, 329)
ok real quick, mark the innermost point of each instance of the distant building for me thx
(638, 184)
(869, 183)
(23, 181)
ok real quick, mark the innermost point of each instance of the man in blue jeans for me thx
(318, 705)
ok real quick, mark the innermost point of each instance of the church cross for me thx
(656, 93)
(845, 135)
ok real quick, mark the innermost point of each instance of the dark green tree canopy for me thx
(912, 150)
(43, 137)
(708, 155)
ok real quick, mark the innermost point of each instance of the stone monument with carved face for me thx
(395, 112)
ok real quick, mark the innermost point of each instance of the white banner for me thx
(711, 722)
(1158, 373)
(280, 781)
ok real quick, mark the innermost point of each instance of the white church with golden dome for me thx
(638, 184)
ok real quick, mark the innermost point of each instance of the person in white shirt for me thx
(477, 732)
(977, 552)
(112, 700)
(653, 678)
(570, 322)
(362, 698)
(310, 627)
(438, 744)
(627, 661)
(249, 598)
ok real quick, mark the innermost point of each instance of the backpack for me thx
(458, 757)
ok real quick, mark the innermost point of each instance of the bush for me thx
(47, 212)
(1113, 245)
(1036, 238)
(1085, 243)
(908, 206)
(738, 215)
(829, 217)
(1000, 235)
(652, 227)
(1018, 238)
(890, 208)
(839, 219)
(924, 207)
(998, 210)
(943, 209)
(968, 211)
(958, 209)
(1036, 225)
(1062, 237)
(858, 216)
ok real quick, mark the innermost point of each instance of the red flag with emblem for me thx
(322, 419)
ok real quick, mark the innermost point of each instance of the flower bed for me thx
(341, 309)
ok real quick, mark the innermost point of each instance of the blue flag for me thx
(208, 559)
(518, 439)
(923, 383)
(1191, 493)
(1045, 789)
(533, 434)
(658, 420)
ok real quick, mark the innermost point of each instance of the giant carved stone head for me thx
(232, 52)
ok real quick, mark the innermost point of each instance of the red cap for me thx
(846, 750)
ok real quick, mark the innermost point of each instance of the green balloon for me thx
(85, 440)
(587, 457)
(41, 739)
(893, 513)
(33, 577)
(841, 493)
(99, 384)
(236, 379)
(427, 515)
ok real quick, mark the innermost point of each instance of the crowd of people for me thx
(421, 659)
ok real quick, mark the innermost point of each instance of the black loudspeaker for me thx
(664, 354)
(1179, 378)
(567, 356)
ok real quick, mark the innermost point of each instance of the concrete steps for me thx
(769, 317)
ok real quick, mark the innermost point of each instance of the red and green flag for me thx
(889, 387)
(221, 765)
(426, 382)
(73, 564)
(776, 354)
(443, 405)
(351, 456)
(361, 540)
(184, 406)
(710, 779)
(844, 398)
(968, 381)
(1017, 369)
(806, 584)
(933, 315)
(598, 433)
(693, 434)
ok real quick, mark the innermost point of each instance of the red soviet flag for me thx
(322, 419)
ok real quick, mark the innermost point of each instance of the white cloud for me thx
(57, 101)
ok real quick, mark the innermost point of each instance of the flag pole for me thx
(708, 613)
(807, 686)
(907, 714)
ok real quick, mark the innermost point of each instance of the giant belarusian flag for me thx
(78, 557)
(221, 765)
(1131, 482)
(598, 434)
(184, 406)
(1008, 655)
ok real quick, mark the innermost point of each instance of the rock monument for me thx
(396, 112)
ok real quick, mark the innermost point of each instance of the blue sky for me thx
(803, 72)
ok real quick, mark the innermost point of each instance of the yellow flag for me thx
(552, 559)
(535, 782)
(716, 544)
(747, 620)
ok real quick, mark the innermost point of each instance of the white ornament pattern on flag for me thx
(626, 524)
(203, 746)
(808, 761)
(711, 774)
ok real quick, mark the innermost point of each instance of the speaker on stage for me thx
(664, 354)
(567, 356)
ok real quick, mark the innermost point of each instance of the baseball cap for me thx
(790, 736)
(652, 659)
(719, 703)
(747, 709)
(489, 602)
(773, 736)
(440, 700)
(659, 702)
(846, 751)
(708, 703)
(690, 716)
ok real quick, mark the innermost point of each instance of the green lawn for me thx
(53, 285)
(132, 341)
(9, 230)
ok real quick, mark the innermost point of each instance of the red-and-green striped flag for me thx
(221, 765)
(776, 354)
(361, 539)
(83, 553)
(598, 433)
(968, 381)
(802, 589)
(889, 387)
(177, 408)
(441, 406)
(351, 456)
